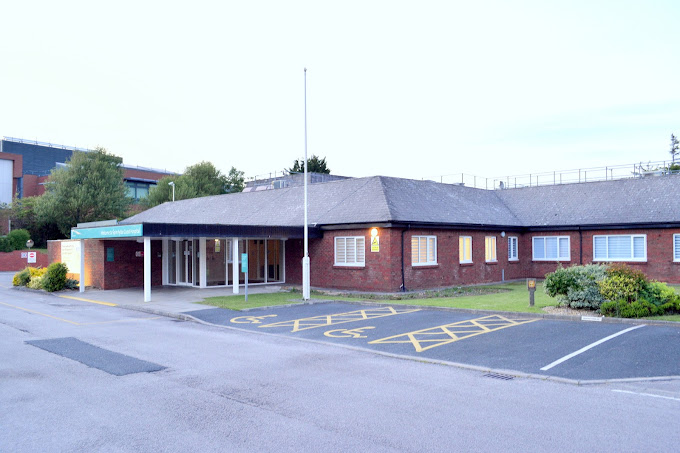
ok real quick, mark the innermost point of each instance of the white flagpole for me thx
(305, 259)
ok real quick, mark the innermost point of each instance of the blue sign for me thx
(108, 232)
(244, 262)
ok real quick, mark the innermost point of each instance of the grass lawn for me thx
(505, 297)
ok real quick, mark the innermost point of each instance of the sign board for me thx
(375, 244)
(32, 257)
(24, 254)
(139, 254)
(244, 262)
(108, 232)
(70, 255)
(531, 283)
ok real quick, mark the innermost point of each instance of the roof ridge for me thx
(367, 180)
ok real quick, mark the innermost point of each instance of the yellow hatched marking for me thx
(340, 318)
(425, 339)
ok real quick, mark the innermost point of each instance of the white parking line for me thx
(647, 394)
(590, 346)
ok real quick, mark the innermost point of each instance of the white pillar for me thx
(82, 266)
(202, 263)
(166, 262)
(235, 267)
(147, 269)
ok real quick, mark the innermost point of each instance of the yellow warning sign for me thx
(375, 244)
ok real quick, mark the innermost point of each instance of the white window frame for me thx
(461, 257)
(632, 248)
(415, 261)
(512, 257)
(676, 247)
(557, 258)
(355, 262)
(494, 258)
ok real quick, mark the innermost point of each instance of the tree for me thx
(23, 215)
(88, 189)
(199, 180)
(674, 147)
(314, 165)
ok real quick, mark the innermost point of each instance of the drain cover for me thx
(503, 377)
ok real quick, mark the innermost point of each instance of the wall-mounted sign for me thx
(32, 257)
(375, 244)
(108, 232)
(24, 254)
(139, 254)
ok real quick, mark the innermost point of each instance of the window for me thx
(465, 249)
(350, 251)
(551, 248)
(512, 249)
(138, 190)
(676, 247)
(620, 248)
(423, 250)
(490, 248)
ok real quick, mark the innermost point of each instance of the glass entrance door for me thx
(185, 262)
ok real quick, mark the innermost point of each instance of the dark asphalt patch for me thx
(95, 357)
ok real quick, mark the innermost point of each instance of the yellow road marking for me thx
(433, 337)
(347, 333)
(118, 320)
(74, 322)
(89, 300)
(250, 319)
(340, 318)
(41, 314)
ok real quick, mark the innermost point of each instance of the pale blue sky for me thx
(408, 89)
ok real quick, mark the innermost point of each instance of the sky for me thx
(417, 90)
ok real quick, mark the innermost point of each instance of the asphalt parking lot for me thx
(573, 350)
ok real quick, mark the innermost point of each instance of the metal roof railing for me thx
(51, 145)
(575, 176)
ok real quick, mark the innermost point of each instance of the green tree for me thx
(199, 180)
(314, 165)
(674, 147)
(23, 215)
(89, 188)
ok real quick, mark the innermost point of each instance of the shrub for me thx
(37, 271)
(18, 238)
(71, 284)
(55, 279)
(622, 282)
(623, 309)
(5, 245)
(576, 286)
(21, 278)
(37, 282)
(658, 293)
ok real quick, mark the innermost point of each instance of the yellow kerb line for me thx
(109, 304)
(41, 314)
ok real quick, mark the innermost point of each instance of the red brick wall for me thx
(142, 174)
(12, 261)
(127, 269)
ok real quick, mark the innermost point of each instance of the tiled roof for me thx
(381, 199)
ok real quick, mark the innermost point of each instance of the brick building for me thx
(25, 166)
(389, 234)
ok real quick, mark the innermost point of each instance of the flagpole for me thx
(305, 259)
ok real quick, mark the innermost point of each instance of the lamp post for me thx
(172, 183)
(305, 259)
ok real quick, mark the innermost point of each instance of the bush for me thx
(622, 282)
(5, 245)
(658, 293)
(21, 278)
(55, 279)
(576, 286)
(624, 309)
(71, 284)
(18, 238)
(37, 282)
